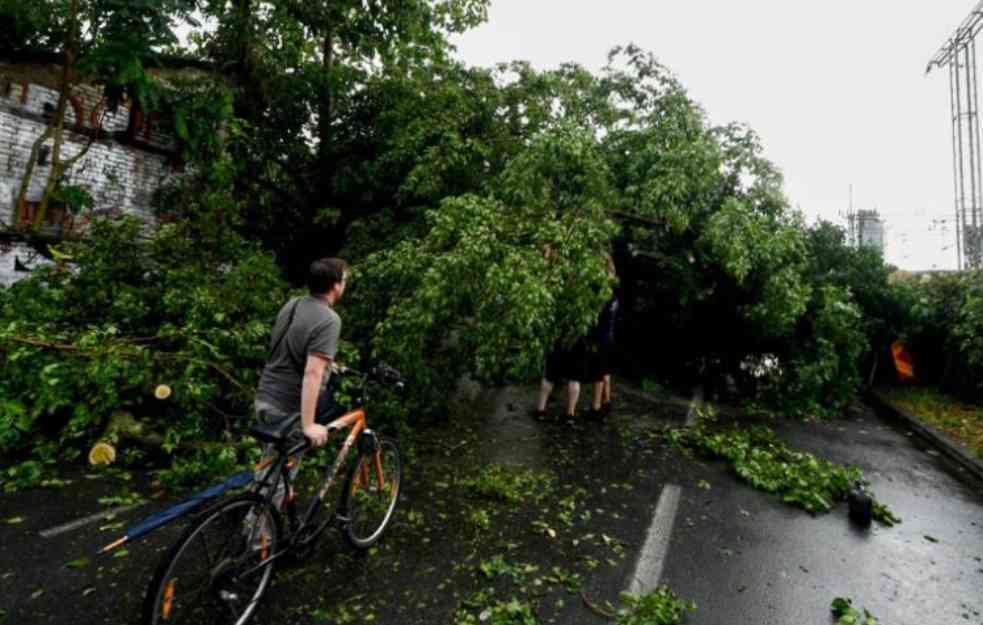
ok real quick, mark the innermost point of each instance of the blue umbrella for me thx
(192, 503)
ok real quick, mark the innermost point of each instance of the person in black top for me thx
(601, 349)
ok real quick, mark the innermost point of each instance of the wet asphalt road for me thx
(742, 556)
(747, 559)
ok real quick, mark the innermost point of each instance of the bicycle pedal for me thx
(344, 520)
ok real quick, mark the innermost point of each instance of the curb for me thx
(940, 441)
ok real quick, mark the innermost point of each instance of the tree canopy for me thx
(477, 205)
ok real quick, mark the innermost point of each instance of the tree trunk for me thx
(25, 182)
(123, 425)
(65, 86)
(326, 107)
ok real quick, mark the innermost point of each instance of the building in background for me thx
(865, 227)
(870, 229)
(132, 153)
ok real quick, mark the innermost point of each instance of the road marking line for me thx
(92, 518)
(694, 406)
(651, 559)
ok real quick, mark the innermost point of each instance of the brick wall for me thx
(131, 157)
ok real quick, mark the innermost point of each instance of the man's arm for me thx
(313, 374)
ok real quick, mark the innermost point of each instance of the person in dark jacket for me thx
(601, 351)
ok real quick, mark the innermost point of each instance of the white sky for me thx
(837, 90)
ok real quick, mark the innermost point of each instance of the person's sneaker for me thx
(606, 408)
(539, 415)
(595, 414)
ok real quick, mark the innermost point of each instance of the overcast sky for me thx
(837, 90)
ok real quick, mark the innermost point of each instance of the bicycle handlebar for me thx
(381, 372)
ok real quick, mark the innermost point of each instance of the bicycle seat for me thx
(275, 432)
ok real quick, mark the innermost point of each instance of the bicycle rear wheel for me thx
(371, 492)
(215, 572)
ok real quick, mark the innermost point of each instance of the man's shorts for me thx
(268, 414)
(567, 364)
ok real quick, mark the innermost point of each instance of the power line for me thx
(958, 54)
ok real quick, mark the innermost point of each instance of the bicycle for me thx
(250, 527)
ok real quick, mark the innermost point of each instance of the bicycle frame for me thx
(356, 421)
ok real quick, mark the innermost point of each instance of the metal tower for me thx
(958, 53)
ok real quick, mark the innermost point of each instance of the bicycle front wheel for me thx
(371, 492)
(215, 573)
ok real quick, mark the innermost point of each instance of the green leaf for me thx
(181, 126)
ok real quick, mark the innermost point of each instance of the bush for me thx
(943, 327)
(819, 371)
(127, 309)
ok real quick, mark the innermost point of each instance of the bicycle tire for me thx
(363, 496)
(242, 545)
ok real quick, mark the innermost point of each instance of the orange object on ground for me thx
(903, 362)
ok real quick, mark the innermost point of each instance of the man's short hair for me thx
(325, 273)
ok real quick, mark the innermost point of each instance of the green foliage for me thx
(967, 331)
(508, 484)
(753, 247)
(863, 273)
(659, 607)
(822, 375)
(136, 308)
(74, 197)
(883, 515)
(498, 566)
(942, 322)
(479, 204)
(962, 421)
(652, 386)
(759, 458)
(203, 117)
(480, 292)
(512, 612)
(113, 42)
(846, 614)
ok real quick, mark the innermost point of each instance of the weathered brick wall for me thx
(128, 161)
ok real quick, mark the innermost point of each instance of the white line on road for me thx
(648, 569)
(652, 557)
(92, 518)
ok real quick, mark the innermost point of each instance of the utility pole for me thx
(958, 53)
(851, 221)
(851, 216)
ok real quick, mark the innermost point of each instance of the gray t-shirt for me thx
(315, 330)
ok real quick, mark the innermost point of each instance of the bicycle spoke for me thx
(178, 609)
(201, 597)
(209, 562)
(230, 535)
(220, 562)
(373, 489)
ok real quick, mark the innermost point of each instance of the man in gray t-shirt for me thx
(303, 345)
